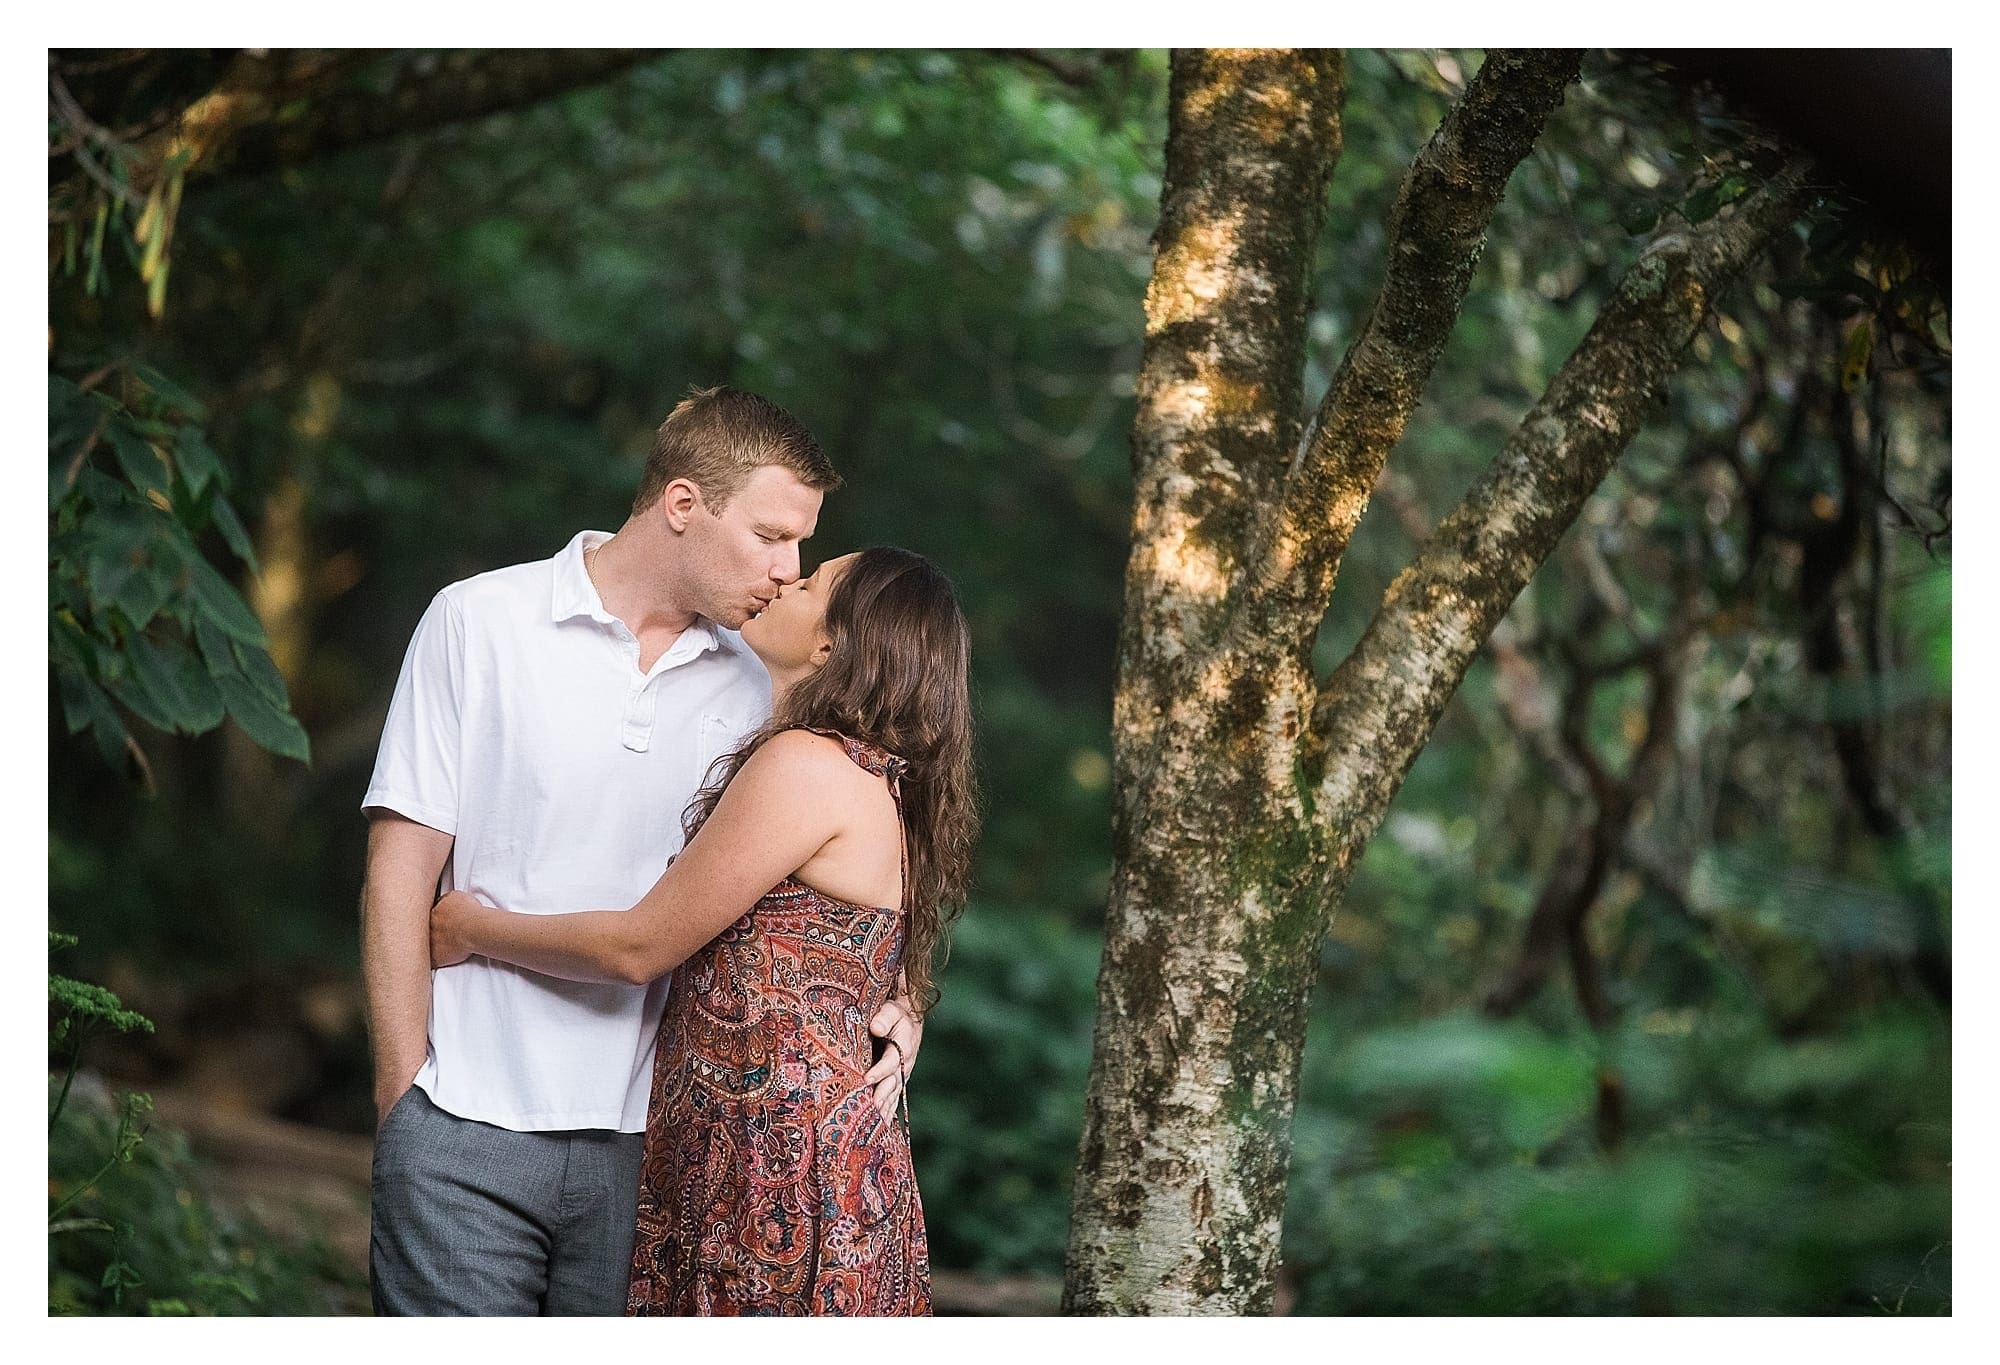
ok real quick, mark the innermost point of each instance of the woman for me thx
(771, 1183)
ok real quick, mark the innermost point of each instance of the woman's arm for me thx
(768, 824)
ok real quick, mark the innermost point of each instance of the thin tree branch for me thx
(1437, 611)
(1592, 846)
(1076, 75)
(429, 93)
(1437, 231)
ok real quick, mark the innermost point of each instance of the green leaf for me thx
(73, 688)
(142, 591)
(198, 463)
(232, 530)
(120, 543)
(94, 276)
(175, 679)
(216, 650)
(1703, 203)
(137, 458)
(103, 491)
(85, 706)
(1620, 1222)
(106, 570)
(69, 646)
(1708, 199)
(125, 682)
(270, 726)
(171, 395)
(263, 673)
(72, 413)
(221, 603)
(203, 695)
(1639, 218)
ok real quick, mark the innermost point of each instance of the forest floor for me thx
(306, 1183)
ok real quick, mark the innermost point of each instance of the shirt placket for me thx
(640, 701)
(641, 697)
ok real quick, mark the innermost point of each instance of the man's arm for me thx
(404, 861)
(897, 1023)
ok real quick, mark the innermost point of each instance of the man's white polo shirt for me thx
(522, 726)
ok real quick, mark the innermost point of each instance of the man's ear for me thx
(678, 502)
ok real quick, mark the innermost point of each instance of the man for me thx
(550, 724)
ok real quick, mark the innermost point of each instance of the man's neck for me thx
(625, 572)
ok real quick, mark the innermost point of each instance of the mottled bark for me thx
(1180, 1186)
(279, 108)
(1437, 232)
(1251, 140)
(1212, 930)
(1237, 818)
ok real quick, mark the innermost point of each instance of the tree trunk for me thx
(1173, 1210)
(1244, 795)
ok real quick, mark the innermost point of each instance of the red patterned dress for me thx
(771, 1184)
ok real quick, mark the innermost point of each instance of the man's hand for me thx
(385, 1100)
(902, 1032)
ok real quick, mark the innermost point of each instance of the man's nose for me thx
(786, 568)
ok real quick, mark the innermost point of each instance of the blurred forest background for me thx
(416, 316)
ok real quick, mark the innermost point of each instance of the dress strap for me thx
(873, 757)
(878, 760)
(882, 763)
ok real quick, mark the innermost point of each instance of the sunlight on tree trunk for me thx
(1245, 791)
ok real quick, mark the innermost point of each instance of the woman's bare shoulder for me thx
(804, 754)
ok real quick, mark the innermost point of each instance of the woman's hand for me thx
(451, 927)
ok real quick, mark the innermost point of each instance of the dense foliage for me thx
(433, 355)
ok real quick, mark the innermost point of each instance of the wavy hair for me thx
(897, 677)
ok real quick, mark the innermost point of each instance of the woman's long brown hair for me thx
(897, 677)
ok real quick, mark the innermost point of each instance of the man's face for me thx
(744, 554)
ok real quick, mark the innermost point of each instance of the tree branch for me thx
(1592, 845)
(273, 109)
(430, 92)
(1076, 75)
(1440, 608)
(1437, 231)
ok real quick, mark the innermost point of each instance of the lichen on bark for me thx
(1244, 791)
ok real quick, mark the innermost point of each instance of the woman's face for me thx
(788, 634)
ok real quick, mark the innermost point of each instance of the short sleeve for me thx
(416, 769)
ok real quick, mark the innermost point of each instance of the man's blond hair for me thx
(716, 438)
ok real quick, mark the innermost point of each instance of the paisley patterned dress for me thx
(771, 1184)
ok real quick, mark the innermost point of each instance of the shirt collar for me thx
(575, 595)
